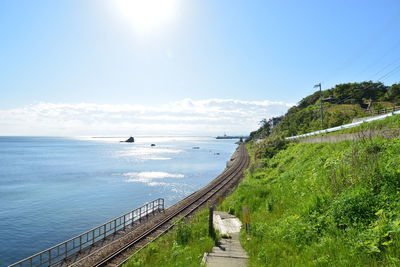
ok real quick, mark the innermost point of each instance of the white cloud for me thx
(185, 117)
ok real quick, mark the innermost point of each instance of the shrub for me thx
(231, 210)
(269, 147)
(355, 206)
(382, 234)
(183, 232)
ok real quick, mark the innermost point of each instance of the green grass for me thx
(311, 205)
(323, 205)
(184, 245)
(391, 123)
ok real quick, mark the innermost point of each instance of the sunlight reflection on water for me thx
(54, 188)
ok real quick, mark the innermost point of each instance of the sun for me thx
(147, 15)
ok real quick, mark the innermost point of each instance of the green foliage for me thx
(350, 101)
(309, 100)
(382, 235)
(310, 205)
(269, 147)
(358, 92)
(323, 205)
(184, 245)
(389, 125)
(302, 120)
(263, 131)
(358, 164)
(183, 232)
(356, 206)
(393, 93)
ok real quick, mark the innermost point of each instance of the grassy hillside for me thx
(341, 104)
(310, 204)
(390, 126)
(323, 205)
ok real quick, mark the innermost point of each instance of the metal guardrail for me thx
(56, 254)
(345, 126)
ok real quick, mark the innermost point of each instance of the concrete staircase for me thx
(229, 252)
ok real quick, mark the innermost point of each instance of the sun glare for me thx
(147, 15)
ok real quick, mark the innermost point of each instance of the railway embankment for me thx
(179, 236)
(147, 230)
(324, 204)
(317, 203)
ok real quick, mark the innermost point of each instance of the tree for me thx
(393, 93)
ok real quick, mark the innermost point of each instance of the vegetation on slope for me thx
(323, 205)
(389, 124)
(184, 245)
(342, 103)
(311, 204)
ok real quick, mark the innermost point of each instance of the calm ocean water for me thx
(52, 189)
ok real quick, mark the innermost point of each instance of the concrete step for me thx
(226, 262)
(229, 251)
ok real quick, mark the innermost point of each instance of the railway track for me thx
(219, 187)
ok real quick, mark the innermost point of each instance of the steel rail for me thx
(196, 206)
(179, 206)
(245, 163)
(201, 196)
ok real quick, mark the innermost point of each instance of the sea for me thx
(54, 188)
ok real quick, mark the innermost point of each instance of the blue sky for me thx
(77, 52)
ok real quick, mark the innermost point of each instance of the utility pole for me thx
(321, 104)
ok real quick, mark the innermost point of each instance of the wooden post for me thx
(246, 217)
(210, 222)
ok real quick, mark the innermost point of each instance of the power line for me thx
(376, 62)
(386, 67)
(387, 75)
(370, 43)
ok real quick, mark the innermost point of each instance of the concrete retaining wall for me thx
(387, 133)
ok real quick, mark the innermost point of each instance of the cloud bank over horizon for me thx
(185, 117)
